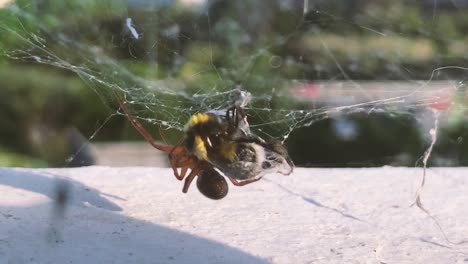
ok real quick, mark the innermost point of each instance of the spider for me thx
(204, 132)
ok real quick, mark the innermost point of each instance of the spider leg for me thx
(242, 183)
(189, 179)
(184, 170)
(163, 137)
(182, 162)
(177, 161)
(144, 133)
(177, 146)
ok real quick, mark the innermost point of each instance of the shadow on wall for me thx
(47, 185)
(96, 234)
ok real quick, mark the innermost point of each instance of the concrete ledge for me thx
(140, 215)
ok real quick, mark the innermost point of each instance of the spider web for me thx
(296, 58)
(298, 75)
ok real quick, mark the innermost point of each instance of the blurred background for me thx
(345, 83)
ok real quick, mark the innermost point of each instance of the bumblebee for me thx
(214, 143)
(226, 143)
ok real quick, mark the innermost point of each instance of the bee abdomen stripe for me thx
(197, 119)
(200, 148)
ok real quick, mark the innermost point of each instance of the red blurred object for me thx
(306, 90)
(440, 102)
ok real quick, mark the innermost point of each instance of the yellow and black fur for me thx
(216, 143)
(216, 139)
(209, 136)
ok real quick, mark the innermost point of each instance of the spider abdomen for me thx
(211, 184)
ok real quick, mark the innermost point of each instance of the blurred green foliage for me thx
(13, 159)
(370, 40)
